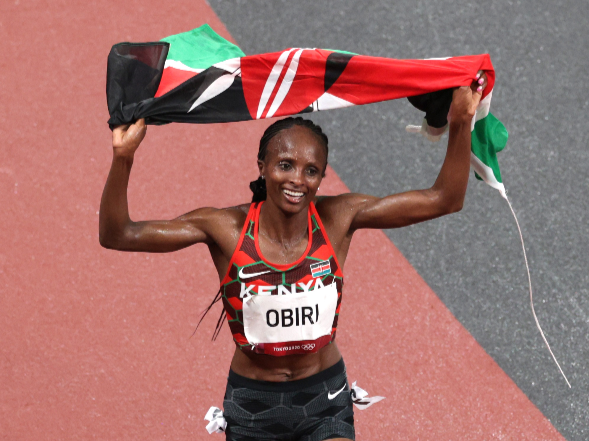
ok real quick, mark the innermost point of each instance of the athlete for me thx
(280, 262)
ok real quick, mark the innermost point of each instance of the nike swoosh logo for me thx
(249, 276)
(331, 396)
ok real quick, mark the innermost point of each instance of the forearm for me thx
(446, 195)
(116, 230)
(114, 209)
(450, 186)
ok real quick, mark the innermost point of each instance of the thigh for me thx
(253, 415)
(329, 414)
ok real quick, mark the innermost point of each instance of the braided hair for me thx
(258, 187)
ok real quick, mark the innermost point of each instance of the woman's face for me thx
(293, 167)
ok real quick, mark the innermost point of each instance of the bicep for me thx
(163, 236)
(397, 210)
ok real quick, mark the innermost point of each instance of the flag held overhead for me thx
(199, 77)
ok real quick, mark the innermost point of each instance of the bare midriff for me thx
(287, 368)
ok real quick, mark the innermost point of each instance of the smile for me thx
(296, 194)
(293, 196)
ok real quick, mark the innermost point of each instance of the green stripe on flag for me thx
(488, 138)
(201, 48)
(340, 51)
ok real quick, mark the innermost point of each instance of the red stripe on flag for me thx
(172, 78)
(387, 79)
(306, 88)
(278, 83)
(308, 84)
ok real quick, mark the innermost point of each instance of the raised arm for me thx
(445, 196)
(118, 231)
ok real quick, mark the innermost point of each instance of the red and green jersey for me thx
(282, 309)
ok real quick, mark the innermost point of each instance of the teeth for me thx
(295, 194)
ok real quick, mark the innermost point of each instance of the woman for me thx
(280, 262)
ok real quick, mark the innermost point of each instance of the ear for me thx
(261, 167)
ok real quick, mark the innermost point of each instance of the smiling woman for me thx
(280, 262)
(258, 187)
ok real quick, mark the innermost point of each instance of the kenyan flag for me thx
(199, 77)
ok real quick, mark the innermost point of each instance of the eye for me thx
(284, 166)
(312, 171)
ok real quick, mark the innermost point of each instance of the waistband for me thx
(287, 386)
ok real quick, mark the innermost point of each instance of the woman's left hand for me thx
(465, 99)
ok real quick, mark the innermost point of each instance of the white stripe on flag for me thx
(328, 101)
(482, 110)
(180, 66)
(217, 87)
(230, 65)
(486, 173)
(271, 81)
(286, 83)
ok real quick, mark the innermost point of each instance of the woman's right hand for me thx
(126, 138)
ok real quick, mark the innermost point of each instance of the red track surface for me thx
(96, 344)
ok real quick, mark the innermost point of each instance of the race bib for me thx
(291, 317)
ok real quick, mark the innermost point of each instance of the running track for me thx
(96, 344)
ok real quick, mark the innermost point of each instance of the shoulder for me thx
(235, 215)
(339, 213)
(350, 203)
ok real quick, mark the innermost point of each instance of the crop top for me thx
(280, 309)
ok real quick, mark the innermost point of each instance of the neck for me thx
(284, 228)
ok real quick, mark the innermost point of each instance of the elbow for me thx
(106, 242)
(105, 237)
(448, 205)
(111, 241)
(114, 237)
(454, 206)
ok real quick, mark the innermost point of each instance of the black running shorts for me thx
(315, 408)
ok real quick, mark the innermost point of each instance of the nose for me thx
(298, 178)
